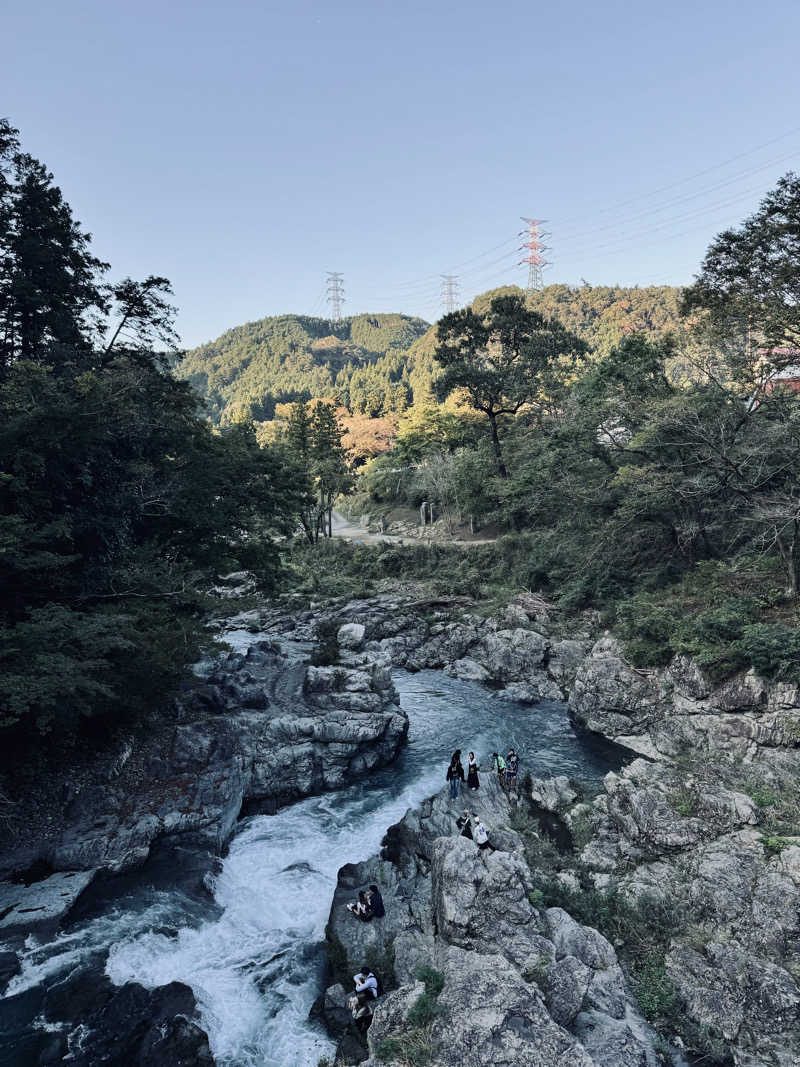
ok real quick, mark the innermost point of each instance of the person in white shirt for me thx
(479, 832)
(366, 984)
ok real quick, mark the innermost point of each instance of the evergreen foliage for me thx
(359, 363)
(118, 502)
(505, 360)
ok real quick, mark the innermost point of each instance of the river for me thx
(255, 956)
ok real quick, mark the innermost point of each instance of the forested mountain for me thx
(376, 365)
(359, 362)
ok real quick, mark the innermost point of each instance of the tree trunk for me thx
(790, 555)
(501, 467)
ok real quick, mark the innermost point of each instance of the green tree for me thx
(51, 283)
(503, 360)
(747, 293)
(297, 441)
(329, 464)
(119, 504)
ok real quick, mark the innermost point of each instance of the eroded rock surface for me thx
(520, 652)
(259, 728)
(520, 983)
(687, 842)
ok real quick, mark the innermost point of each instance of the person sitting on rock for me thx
(375, 900)
(455, 773)
(472, 772)
(512, 768)
(480, 834)
(464, 825)
(361, 907)
(499, 765)
(367, 991)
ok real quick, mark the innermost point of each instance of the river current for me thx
(255, 957)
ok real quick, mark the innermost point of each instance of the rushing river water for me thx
(255, 959)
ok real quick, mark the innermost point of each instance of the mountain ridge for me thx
(377, 365)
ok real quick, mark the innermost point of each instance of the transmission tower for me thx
(335, 295)
(534, 248)
(450, 292)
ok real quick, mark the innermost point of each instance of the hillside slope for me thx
(375, 365)
(360, 362)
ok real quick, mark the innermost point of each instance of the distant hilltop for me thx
(377, 365)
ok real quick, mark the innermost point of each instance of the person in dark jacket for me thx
(360, 908)
(472, 772)
(512, 769)
(464, 825)
(376, 902)
(455, 774)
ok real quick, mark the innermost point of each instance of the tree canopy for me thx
(502, 360)
(119, 504)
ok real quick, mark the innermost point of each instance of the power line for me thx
(534, 258)
(450, 292)
(335, 288)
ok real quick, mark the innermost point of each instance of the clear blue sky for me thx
(244, 149)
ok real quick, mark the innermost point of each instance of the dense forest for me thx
(636, 449)
(379, 365)
(358, 362)
(651, 476)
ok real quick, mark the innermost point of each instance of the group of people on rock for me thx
(455, 773)
(506, 768)
(369, 905)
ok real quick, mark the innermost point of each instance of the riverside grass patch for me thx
(414, 1046)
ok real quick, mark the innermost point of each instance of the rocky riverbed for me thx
(654, 921)
(689, 857)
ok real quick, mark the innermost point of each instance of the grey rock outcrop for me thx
(518, 650)
(663, 713)
(42, 904)
(519, 983)
(258, 728)
(690, 845)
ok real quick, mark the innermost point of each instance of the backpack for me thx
(479, 834)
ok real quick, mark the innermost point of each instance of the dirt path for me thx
(350, 531)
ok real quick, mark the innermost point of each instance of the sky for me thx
(245, 149)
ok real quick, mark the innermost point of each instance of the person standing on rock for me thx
(464, 825)
(472, 772)
(512, 768)
(455, 774)
(499, 765)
